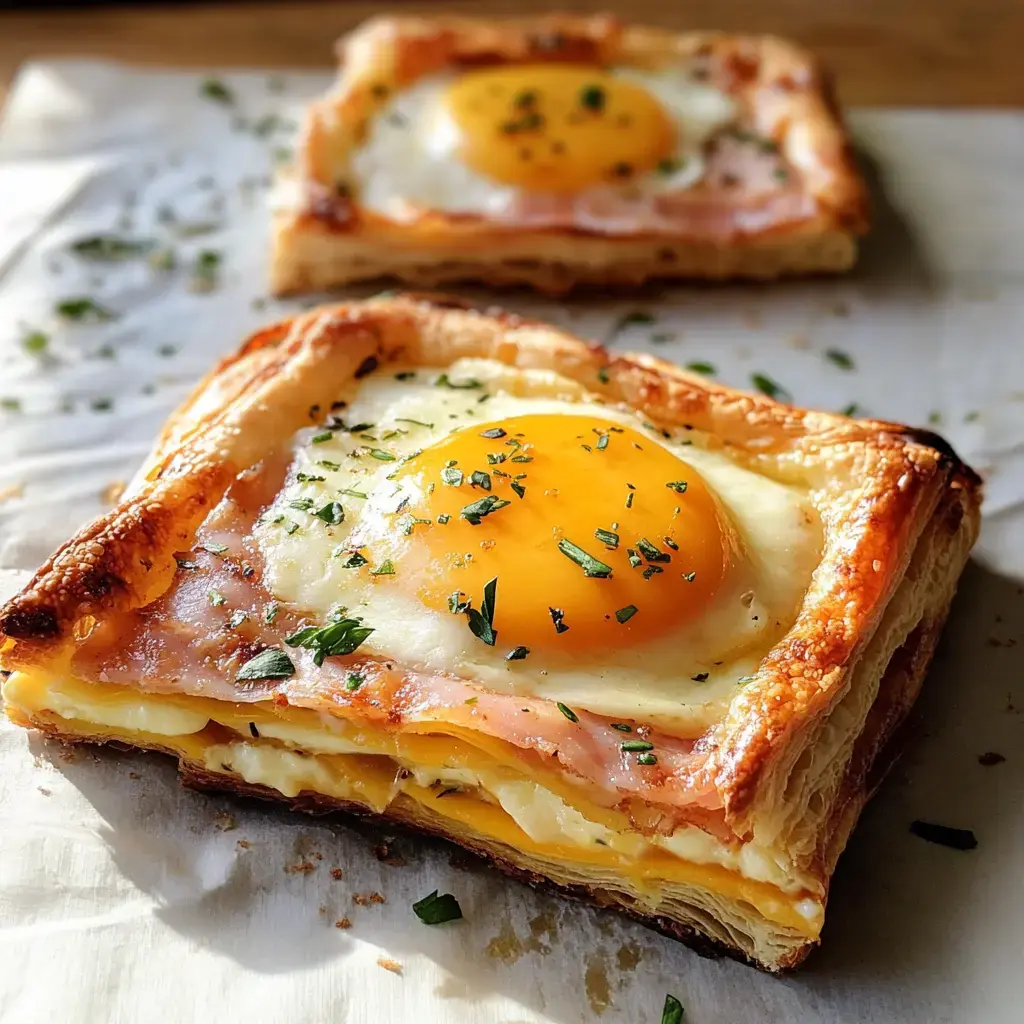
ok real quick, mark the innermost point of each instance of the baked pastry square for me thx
(563, 151)
(624, 632)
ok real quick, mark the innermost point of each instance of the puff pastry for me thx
(400, 174)
(204, 617)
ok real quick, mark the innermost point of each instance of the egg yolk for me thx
(558, 128)
(596, 535)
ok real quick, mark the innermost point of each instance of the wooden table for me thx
(884, 52)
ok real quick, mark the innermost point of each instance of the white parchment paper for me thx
(124, 898)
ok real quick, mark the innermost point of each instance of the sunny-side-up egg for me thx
(626, 571)
(477, 141)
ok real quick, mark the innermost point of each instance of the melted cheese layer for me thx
(299, 750)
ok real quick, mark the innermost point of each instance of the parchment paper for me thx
(124, 898)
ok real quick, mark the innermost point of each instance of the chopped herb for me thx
(700, 677)
(629, 500)
(101, 404)
(701, 367)
(636, 746)
(519, 489)
(216, 597)
(206, 271)
(651, 553)
(355, 560)
(214, 547)
(602, 442)
(743, 680)
(270, 612)
(602, 375)
(679, 486)
(517, 653)
(934, 418)
(636, 318)
(451, 476)
(444, 381)
(321, 438)
(607, 537)
(35, 342)
(635, 561)
(476, 510)
(340, 637)
(405, 375)
(309, 478)
(557, 615)
(417, 423)
(10, 404)
(386, 568)
(237, 618)
(496, 458)
(972, 416)
(592, 97)
(302, 504)
(272, 663)
(326, 464)
(354, 681)
(944, 835)
(670, 543)
(780, 174)
(769, 387)
(590, 565)
(443, 518)
(111, 248)
(522, 458)
(332, 513)
(435, 909)
(253, 731)
(669, 166)
(478, 478)
(646, 758)
(84, 308)
(853, 410)
(215, 89)
(481, 623)
(493, 434)
(622, 727)
(652, 570)
(167, 351)
(350, 492)
(841, 359)
(568, 712)
(380, 454)
(689, 576)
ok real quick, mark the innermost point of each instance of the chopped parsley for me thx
(350, 492)
(302, 504)
(481, 623)
(444, 381)
(35, 342)
(493, 434)
(651, 553)
(636, 318)
(496, 458)
(840, 358)
(270, 612)
(602, 442)
(679, 486)
(214, 89)
(206, 271)
(443, 518)
(700, 677)
(355, 560)
(309, 478)
(607, 537)
(707, 369)
(769, 387)
(852, 410)
(214, 547)
(332, 513)
(84, 308)
(216, 597)
(333, 467)
(273, 663)
(111, 248)
(517, 653)
(321, 438)
(602, 375)
(340, 637)
(557, 615)
(944, 835)
(689, 576)
(625, 614)
(386, 568)
(567, 711)
(636, 746)
(354, 681)
(635, 561)
(437, 909)
(476, 510)
(452, 476)
(380, 454)
(478, 478)
(415, 423)
(672, 1011)
(519, 488)
(646, 758)
(592, 97)
(590, 565)
(237, 618)
(622, 727)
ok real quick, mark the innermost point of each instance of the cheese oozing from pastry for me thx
(481, 140)
(624, 572)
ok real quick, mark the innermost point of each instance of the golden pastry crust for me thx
(799, 750)
(325, 237)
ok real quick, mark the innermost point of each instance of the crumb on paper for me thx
(343, 922)
(134, 775)
(363, 899)
(628, 956)
(11, 492)
(44, 790)
(322, 909)
(543, 926)
(302, 867)
(840, 308)
(599, 991)
(111, 494)
(389, 965)
(225, 822)
(243, 844)
(387, 854)
(505, 946)
(337, 874)
(990, 757)
(799, 341)
(994, 641)
(752, 319)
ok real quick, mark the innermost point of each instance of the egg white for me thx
(409, 160)
(779, 531)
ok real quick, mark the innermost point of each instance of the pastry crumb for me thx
(225, 822)
(44, 790)
(387, 854)
(343, 922)
(799, 341)
(303, 867)
(363, 899)
(111, 494)
(134, 775)
(389, 965)
(337, 874)
(990, 757)
(243, 844)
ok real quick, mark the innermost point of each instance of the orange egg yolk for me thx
(598, 536)
(559, 128)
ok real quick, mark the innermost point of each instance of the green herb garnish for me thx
(416, 423)
(214, 547)
(481, 623)
(35, 342)
(336, 638)
(679, 486)
(309, 478)
(270, 612)
(568, 712)
(519, 488)
(302, 504)
(622, 727)
(592, 97)
(769, 387)
(517, 653)
(444, 381)
(476, 510)
(840, 358)
(214, 89)
(350, 492)
(607, 537)
(84, 308)
(216, 597)
(386, 568)
(355, 560)
(590, 565)
(651, 553)
(646, 758)
(111, 248)
(700, 367)
(557, 615)
(493, 434)
(321, 438)
(636, 746)
(435, 909)
(625, 614)
(206, 271)
(380, 454)
(451, 476)
(272, 663)
(332, 513)
(478, 478)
